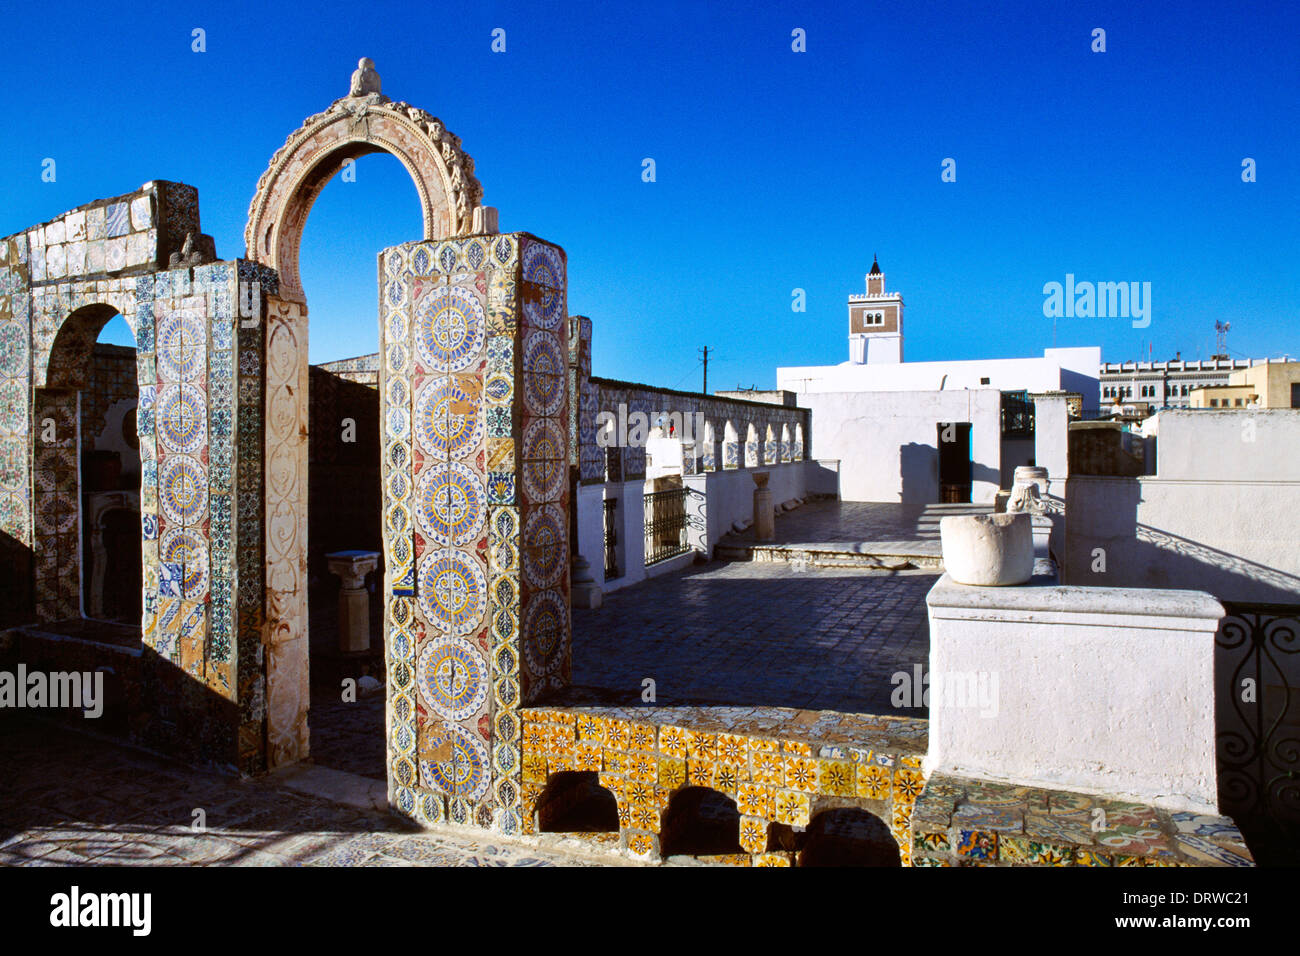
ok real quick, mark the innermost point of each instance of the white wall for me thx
(1056, 369)
(1221, 514)
(1235, 539)
(1230, 444)
(719, 498)
(1098, 690)
(887, 441)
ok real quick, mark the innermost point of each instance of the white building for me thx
(876, 360)
(945, 432)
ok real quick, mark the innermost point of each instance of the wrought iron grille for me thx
(1258, 738)
(611, 539)
(665, 525)
(1017, 415)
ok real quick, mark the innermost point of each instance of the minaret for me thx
(876, 323)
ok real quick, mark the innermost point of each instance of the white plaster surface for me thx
(887, 442)
(1099, 690)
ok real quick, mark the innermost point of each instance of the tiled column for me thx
(476, 456)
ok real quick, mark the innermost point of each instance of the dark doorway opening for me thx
(954, 462)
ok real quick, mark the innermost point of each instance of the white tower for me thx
(876, 323)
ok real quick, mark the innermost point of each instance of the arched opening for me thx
(86, 468)
(731, 446)
(663, 447)
(710, 451)
(785, 443)
(575, 802)
(700, 821)
(847, 836)
(797, 452)
(369, 205)
(362, 123)
(110, 474)
(752, 451)
(771, 450)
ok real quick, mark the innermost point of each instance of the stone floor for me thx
(825, 532)
(80, 801)
(756, 634)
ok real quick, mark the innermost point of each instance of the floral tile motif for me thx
(587, 756)
(836, 778)
(672, 772)
(754, 800)
(641, 768)
(590, 728)
(641, 737)
(726, 777)
(731, 749)
(617, 733)
(792, 808)
(796, 747)
(762, 745)
(639, 795)
(908, 785)
(753, 834)
(702, 746)
(701, 772)
(768, 769)
(534, 768)
(977, 845)
(642, 844)
(772, 859)
(727, 859)
(645, 818)
(937, 842)
(672, 741)
(801, 773)
(873, 782)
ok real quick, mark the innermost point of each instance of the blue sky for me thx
(776, 170)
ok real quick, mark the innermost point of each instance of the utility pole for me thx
(705, 350)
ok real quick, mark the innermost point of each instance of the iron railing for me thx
(611, 539)
(1258, 739)
(665, 525)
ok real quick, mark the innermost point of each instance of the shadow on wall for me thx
(16, 595)
(918, 469)
(1136, 555)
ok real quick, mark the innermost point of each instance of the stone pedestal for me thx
(1089, 690)
(584, 590)
(354, 602)
(764, 522)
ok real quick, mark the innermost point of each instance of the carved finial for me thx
(364, 78)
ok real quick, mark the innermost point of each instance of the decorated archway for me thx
(365, 121)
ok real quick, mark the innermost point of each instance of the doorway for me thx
(954, 462)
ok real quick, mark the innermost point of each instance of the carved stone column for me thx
(354, 603)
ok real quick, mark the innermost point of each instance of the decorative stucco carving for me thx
(363, 122)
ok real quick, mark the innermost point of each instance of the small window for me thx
(984, 381)
(1237, 402)
(1214, 403)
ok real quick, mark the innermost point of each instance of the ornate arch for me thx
(363, 122)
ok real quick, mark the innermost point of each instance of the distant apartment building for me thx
(1267, 385)
(1169, 384)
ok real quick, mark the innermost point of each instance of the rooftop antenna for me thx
(1221, 338)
